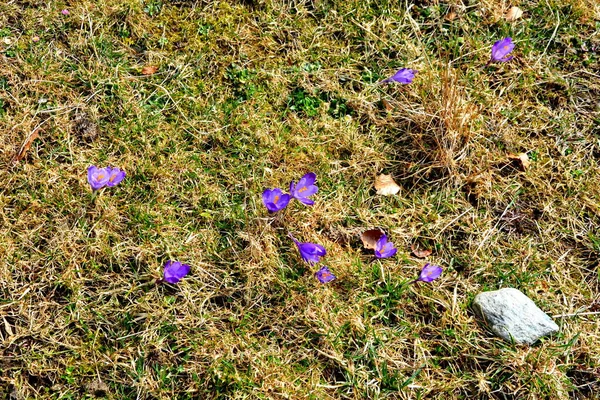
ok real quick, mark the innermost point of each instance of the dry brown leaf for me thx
(7, 327)
(520, 161)
(451, 16)
(388, 106)
(420, 253)
(385, 185)
(26, 146)
(514, 14)
(541, 286)
(370, 237)
(149, 70)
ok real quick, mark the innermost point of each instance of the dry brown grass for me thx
(253, 94)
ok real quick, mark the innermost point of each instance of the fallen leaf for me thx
(370, 237)
(514, 13)
(520, 161)
(388, 106)
(451, 16)
(541, 286)
(7, 327)
(385, 185)
(26, 146)
(420, 253)
(149, 70)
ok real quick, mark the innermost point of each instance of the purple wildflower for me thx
(275, 199)
(404, 75)
(304, 188)
(383, 248)
(501, 49)
(324, 275)
(115, 175)
(310, 252)
(65, 12)
(174, 271)
(97, 177)
(429, 273)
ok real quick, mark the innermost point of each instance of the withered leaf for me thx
(514, 13)
(386, 185)
(388, 106)
(451, 16)
(26, 146)
(541, 286)
(7, 327)
(520, 161)
(149, 70)
(420, 253)
(370, 237)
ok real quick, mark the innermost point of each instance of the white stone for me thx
(513, 316)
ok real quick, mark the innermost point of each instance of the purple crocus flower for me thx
(97, 177)
(310, 252)
(275, 199)
(324, 275)
(304, 188)
(501, 49)
(174, 271)
(383, 248)
(115, 175)
(429, 273)
(404, 75)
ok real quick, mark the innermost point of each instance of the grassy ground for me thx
(250, 95)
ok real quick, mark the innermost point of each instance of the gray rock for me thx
(513, 316)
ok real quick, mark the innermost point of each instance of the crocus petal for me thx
(501, 49)
(266, 197)
(388, 253)
(90, 172)
(384, 249)
(275, 199)
(403, 75)
(324, 275)
(310, 252)
(174, 271)
(307, 179)
(304, 188)
(115, 176)
(97, 177)
(280, 205)
(430, 273)
(308, 202)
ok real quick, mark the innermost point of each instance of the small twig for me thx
(27, 144)
(576, 314)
